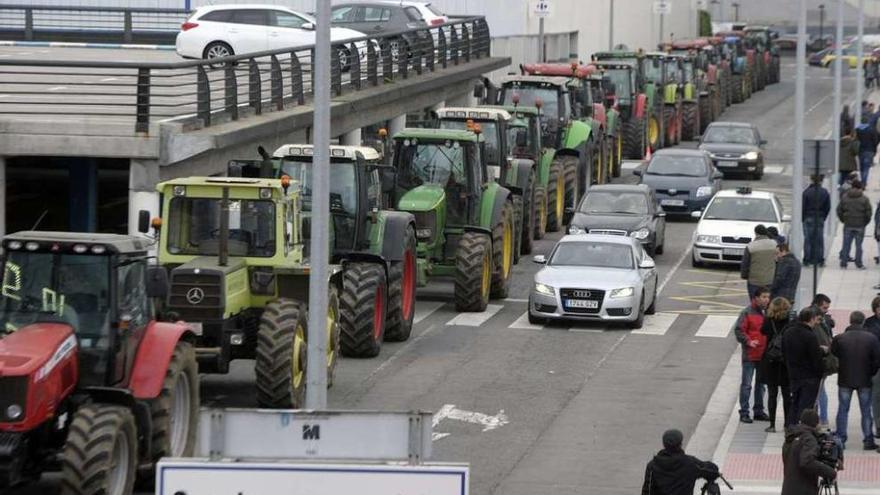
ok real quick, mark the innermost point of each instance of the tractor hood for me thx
(426, 197)
(36, 348)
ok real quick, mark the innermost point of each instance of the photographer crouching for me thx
(811, 458)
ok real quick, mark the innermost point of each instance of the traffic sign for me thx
(819, 156)
(541, 8)
(663, 7)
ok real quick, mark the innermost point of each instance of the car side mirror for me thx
(696, 214)
(479, 91)
(157, 282)
(647, 264)
(144, 222)
(309, 26)
(540, 259)
(786, 218)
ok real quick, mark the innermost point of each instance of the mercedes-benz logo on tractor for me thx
(195, 295)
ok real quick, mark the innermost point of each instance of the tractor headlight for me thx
(708, 239)
(623, 292)
(544, 289)
(751, 155)
(13, 412)
(640, 234)
(424, 234)
(575, 230)
(704, 191)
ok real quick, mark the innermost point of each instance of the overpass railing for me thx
(206, 92)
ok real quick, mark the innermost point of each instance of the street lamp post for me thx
(821, 23)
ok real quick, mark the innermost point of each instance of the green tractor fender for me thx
(547, 156)
(670, 94)
(388, 234)
(523, 168)
(494, 198)
(612, 123)
(577, 135)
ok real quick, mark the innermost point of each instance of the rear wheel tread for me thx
(357, 306)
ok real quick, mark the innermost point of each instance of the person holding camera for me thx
(803, 460)
(672, 472)
(859, 354)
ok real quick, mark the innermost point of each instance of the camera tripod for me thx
(828, 487)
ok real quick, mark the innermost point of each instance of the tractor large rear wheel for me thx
(634, 139)
(362, 310)
(570, 166)
(332, 357)
(280, 366)
(691, 119)
(175, 411)
(540, 213)
(402, 292)
(530, 212)
(518, 207)
(555, 196)
(473, 272)
(100, 456)
(503, 246)
(739, 89)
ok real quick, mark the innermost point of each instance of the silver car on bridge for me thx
(595, 277)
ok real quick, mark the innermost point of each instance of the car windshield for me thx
(489, 128)
(598, 254)
(59, 288)
(420, 162)
(194, 227)
(743, 209)
(529, 95)
(615, 203)
(343, 192)
(686, 166)
(729, 134)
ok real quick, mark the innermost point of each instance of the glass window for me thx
(194, 227)
(599, 254)
(615, 203)
(730, 134)
(217, 16)
(288, 20)
(413, 14)
(490, 134)
(528, 95)
(255, 17)
(622, 83)
(342, 14)
(343, 184)
(686, 166)
(652, 68)
(744, 209)
(376, 14)
(434, 10)
(132, 295)
(439, 163)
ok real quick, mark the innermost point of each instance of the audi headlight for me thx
(709, 239)
(751, 155)
(544, 289)
(575, 230)
(624, 292)
(704, 191)
(424, 234)
(13, 412)
(640, 234)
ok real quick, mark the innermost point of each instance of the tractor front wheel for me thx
(503, 247)
(654, 137)
(280, 366)
(402, 292)
(332, 335)
(691, 120)
(100, 455)
(473, 272)
(739, 89)
(555, 196)
(634, 139)
(570, 166)
(175, 411)
(362, 310)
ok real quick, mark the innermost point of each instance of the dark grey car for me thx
(379, 18)
(683, 180)
(735, 147)
(626, 210)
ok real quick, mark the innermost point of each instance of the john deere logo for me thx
(195, 295)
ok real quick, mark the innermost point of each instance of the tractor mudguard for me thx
(523, 169)
(153, 356)
(670, 94)
(479, 230)
(494, 198)
(578, 134)
(689, 93)
(394, 232)
(611, 127)
(599, 114)
(641, 105)
(360, 256)
(547, 156)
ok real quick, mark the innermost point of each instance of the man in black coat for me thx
(803, 358)
(788, 274)
(672, 472)
(817, 205)
(800, 456)
(859, 354)
(872, 325)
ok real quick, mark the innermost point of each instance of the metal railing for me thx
(83, 23)
(207, 92)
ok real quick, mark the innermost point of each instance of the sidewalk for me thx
(752, 459)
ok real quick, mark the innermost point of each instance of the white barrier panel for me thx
(190, 477)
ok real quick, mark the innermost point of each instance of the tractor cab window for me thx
(529, 94)
(529, 148)
(688, 72)
(194, 227)
(133, 301)
(491, 133)
(673, 72)
(653, 69)
(623, 84)
(440, 163)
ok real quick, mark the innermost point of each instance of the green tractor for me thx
(741, 66)
(626, 96)
(577, 140)
(767, 51)
(696, 106)
(235, 254)
(377, 246)
(667, 73)
(465, 222)
(646, 79)
(603, 88)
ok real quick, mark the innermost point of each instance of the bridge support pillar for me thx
(83, 213)
(352, 138)
(396, 124)
(142, 195)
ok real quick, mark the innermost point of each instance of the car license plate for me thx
(727, 164)
(671, 202)
(732, 252)
(576, 303)
(196, 328)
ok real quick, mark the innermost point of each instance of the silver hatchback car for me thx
(595, 277)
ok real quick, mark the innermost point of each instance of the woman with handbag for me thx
(772, 364)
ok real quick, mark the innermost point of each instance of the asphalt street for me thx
(566, 409)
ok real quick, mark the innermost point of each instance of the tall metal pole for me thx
(661, 27)
(860, 53)
(316, 370)
(542, 53)
(835, 115)
(610, 24)
(821, 25)
(797, 187)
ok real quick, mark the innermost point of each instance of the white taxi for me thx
(728, 224)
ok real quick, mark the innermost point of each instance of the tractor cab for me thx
(494, 125)
(549, 94)
(623, 84)
(523, 131)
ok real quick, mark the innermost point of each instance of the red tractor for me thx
(90, 383)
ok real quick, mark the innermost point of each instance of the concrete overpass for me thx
(74, 115)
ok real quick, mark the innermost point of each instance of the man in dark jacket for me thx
(754, 342)
(788, 274)
(672, 472)
(803, 358)
(800, 456)
(854, 212)
(868, 141)
(859, 355)
(817, 205)
(872, 325)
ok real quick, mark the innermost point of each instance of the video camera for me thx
(830, 450)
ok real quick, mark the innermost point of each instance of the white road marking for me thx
(475, 319)
(449, 411)
(513, 300)
(57, 88)
(657, 324)
(773, 169)
(523, 322)
(424, 309)
(716, 326)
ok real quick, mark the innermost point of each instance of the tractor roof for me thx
(560, 69)
(438, 134)
(346, 152)
(220, 181)
(614, 64)
(474, 113)
(756, 28)
(515, 109)
(689, 44)
(121, 244)
(555, 81)
(615, 54)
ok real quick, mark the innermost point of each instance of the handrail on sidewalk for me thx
(221, 89)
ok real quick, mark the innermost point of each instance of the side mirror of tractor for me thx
(144, 222)
(157, 283)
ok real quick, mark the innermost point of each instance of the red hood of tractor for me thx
(24, 351)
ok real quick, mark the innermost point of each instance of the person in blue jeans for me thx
(817, 205)
(858, 352)
(855, 212)
(754, 342)
(868, 141)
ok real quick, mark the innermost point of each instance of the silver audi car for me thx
(595, 277)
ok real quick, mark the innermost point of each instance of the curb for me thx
(64, 44)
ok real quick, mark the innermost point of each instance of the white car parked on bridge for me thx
(224, 30)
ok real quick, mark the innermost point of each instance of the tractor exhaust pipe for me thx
(223, 246)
